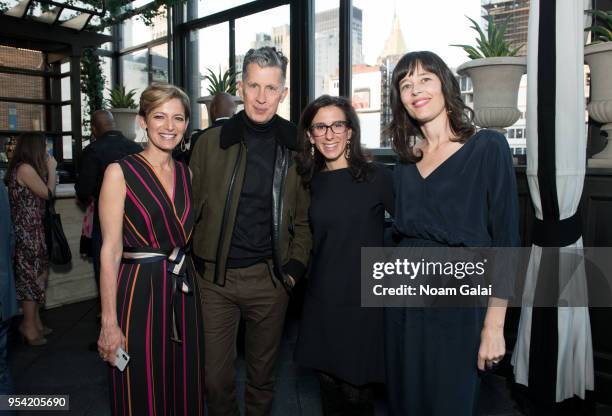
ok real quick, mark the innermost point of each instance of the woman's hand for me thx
(110, 339)
(51, 163)
(492, 346)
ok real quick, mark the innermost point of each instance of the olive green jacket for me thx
(218, 163)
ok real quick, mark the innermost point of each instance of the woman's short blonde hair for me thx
(159, 93)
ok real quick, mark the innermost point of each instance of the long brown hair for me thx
(307, 165)
(404, 129)
(31, 149)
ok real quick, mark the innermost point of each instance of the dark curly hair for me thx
(307, 166)
(404, 129)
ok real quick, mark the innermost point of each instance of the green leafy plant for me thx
(492, 43)
(119, 98)
(219, 82)
(601, 32)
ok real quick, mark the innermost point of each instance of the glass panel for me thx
(207, 7)
(327, 44)
(208, 49)
(251, 32)
(65, 67)
(21, 58)
(67, 147)
(107, 72)
(135, 32)
(66, 118)
(134, 71)
(22, 86)
(65, 88)
(159, 63)
(18, 116)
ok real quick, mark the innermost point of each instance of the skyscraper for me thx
(327, 45)
(517, 11)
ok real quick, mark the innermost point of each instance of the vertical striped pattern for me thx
(162, 377)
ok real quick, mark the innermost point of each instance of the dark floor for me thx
(66, 366)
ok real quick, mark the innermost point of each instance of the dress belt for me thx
(177, 271)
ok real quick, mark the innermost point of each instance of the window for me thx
(134, 71)
(159, 63)
(209, 49)
(327, 47)
(254, 31)
(135, 32)
(383, 31)
(202, 8)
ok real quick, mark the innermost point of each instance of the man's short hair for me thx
(264, 57)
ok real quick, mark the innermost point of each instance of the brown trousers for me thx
(253, 294)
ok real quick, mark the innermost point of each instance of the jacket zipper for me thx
(226, 214)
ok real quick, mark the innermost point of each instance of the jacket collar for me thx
(232, 132)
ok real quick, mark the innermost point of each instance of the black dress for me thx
(469, 200)
(337, 335)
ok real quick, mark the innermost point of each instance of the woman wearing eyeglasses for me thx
(349, 197)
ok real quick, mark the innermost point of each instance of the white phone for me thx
(122, 358)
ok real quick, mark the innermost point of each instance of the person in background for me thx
(109, 146)
(222, 108)
(150, 297)
(348, 199)
(8, 300)
(30, 178)
(455, 187)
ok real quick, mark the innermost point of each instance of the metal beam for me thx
(302, 57)
(345, 32)
(25, 30)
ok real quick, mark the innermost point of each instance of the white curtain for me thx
(575, 354)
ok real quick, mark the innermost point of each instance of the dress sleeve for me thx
(387, 191)
(503, 214)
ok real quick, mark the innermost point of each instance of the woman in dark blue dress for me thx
(455, 187)
(349, 197)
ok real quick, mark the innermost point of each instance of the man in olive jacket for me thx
(252, 239)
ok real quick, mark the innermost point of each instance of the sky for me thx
(426, 25)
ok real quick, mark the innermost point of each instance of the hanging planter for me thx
(496, 74)
(598, 57)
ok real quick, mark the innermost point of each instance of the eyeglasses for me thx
(320, 129)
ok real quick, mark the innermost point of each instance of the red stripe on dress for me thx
(186, 195)
(162, 210)
(164, 334)
(185, 387)
(149, 358)
(146, 217)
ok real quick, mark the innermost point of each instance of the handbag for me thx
(57, 244)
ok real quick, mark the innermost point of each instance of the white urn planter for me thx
(599, 59)
(125, 118)
(496, 84)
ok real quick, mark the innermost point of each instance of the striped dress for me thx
(163, 377)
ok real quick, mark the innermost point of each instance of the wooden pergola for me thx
(57, 30)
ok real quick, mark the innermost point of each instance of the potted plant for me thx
(123, 107)
(219, 82)
(496, 73)
(598, 56)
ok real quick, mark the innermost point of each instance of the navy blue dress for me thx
(469, 200)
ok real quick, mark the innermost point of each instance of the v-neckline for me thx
(444, 162)
(169, 196)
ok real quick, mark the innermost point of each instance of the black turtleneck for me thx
(252, 235)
